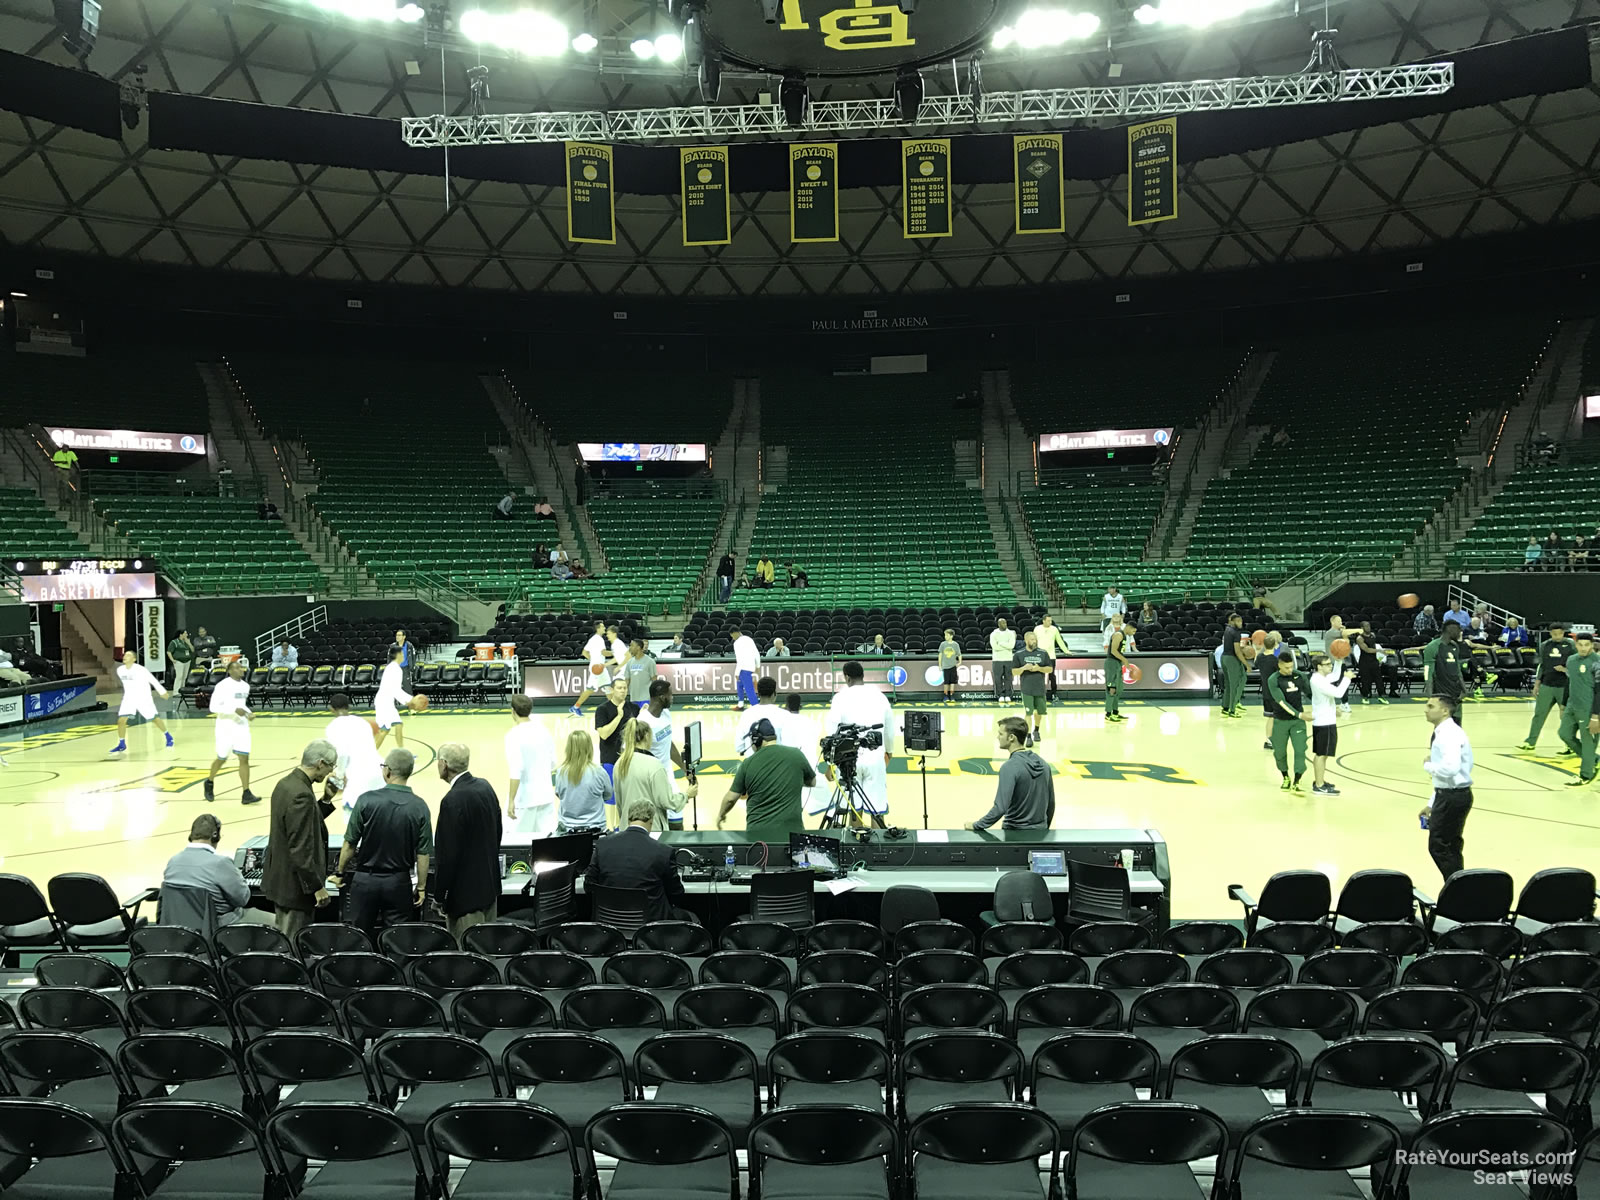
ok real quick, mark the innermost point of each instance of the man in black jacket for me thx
(631, 858)
(295, 874)
(466, 844)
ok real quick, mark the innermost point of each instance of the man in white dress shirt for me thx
(1054, 643)
(746, 661)
(392, 697)
(1449, 765)
(137, 698)
(1002, 651)
(859, 703)
(230, 709)
(359, 768)
(596, 677)
(530, 763)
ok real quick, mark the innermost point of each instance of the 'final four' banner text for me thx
(925, 190)
(591, 196)
(1038, 183)
(1153, 171)
(706, 216)
(814, 192)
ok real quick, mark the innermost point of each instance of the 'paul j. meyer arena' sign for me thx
(1106, 439)
(915, 678)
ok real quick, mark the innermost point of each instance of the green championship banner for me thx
(1153, 171)
(814, 192)
(591, 200)
(703, 171)
(1038, 183)
(925, 187)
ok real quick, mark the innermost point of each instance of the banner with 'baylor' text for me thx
(925, 183)
(1153, 171)
(707, 218)
(591, 194)
(1037, 183)
(814, 192)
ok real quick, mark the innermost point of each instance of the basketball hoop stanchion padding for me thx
(925, 736)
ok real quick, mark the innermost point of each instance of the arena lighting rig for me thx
(992, 108)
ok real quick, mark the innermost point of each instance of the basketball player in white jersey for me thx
(598, 678)
(230, 709)
(530, 763)
(137, 686)
(360, 767)
(392, 697)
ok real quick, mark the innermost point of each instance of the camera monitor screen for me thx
(818, 850)
(1047, 862)
(575, 848)
(691, 742)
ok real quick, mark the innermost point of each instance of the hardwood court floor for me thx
(1205, 783)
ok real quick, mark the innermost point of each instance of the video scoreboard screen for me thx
(641, 452)
(51, 581)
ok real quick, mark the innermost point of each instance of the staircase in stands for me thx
(1008, 452)
(1555, 383)
(737, 461)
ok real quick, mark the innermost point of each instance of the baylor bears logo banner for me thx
(591, 198)
(707, 220)
(925, 187)
(1037, 183)
(839, 38)
(814, 192)
(1153, 171)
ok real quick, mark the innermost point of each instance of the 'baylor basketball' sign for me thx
(1038, 183)
(591, 198)
(704, 171)
(847, 37)
(814, 192)
(1153, 171)
(925, 180)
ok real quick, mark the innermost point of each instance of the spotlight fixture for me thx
(585, 43)
(710, 78)
(669, 47)
(908, 6)
(530, 34)
(643, 48)
(769, 10)
(80, 25)
(694, 41)
(975, 82)
(796, 100)
(1196, 14)
(908, 95)
(1040, 28)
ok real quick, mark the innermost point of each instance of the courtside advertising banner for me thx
(915, 677)
(707, 218)
(11, 709)
(1038, 183)
(133, 440)
(153, 627)
(1105, 439)
(591, 196)
(642, 451)
(814, 192)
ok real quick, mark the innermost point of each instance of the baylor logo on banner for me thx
(1153, 171)
(591, 198)
(864, 25)
(1038, 183)
(814, 192)
(925, 179)
(706, 217)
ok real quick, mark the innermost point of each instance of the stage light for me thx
(643, 48)
(1196, 14)
(372, 10)
(408, 14)
(585, 42)
(769, 10)
(1039, 28)
(80, 25)
(530, 34)
(710, 75)
(668, 47)
(908, 95)
(796, 100)
(694, 41)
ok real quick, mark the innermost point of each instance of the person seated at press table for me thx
(631, 858)
(198, 865)
(772, 782)
(778, 649)
(676, 648)
(1026, 795)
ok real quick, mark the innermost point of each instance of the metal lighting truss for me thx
(997, 108)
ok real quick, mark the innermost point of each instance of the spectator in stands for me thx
(180, 653)
(1459, 615)
(502, 510)
(1532, 553)
(1148, 617)
(634, 860)
(1260, 601)
(726, 568)
(294, 876)
(1578, 556)
(580, 572)
(9, 673)
(771, 782)
(1281, 438)
(580, 483)
(561, 570)
(765, 574)
(797, 576)
(558, 554)
(1554, 550)
(1544, 448)
(268, 511)
(1514, 635)
(285, 655)
(389, 835)
(1025, 797)
(205, 648)
(1485, 618)
(778, 649)
(1425, 624)
(1479, 653)
(1002, 649)
(65, 458)
(677, 647)
(541, 556)
(199, 866)
(879, 646)
(466, 844)
(1111, 604)
(542, 510)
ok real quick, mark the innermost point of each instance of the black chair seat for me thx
(866, 1093)
(319, 1091)
(29, 933)
(1067, 1103)
(944, 1180)
(100, 933)
(428, 1098)
(223, 1090)
(577, 1103)
(1098, 1179)
(237, 1176)
(1445, 1183)
(90, 1176)
(734, 1101)
(865, 1180)
(1269, 1181)
(924, 1094)
(707, 1180)
(1339, 1097)
(369, 1179)
(99, 1097)
(547, 1178)
(1238, 1107)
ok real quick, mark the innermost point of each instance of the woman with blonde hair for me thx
(640, 775)
(583, 790)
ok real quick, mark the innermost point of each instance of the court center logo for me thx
(1168, 673)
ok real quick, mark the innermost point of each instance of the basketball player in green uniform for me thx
(1579, 723)
(1114, 662)
(1551, 689)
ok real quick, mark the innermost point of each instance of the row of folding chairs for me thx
(445, 683)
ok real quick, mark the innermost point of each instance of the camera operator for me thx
(771, 781)
(860, 704)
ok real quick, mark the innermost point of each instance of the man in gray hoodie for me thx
(1026, 797)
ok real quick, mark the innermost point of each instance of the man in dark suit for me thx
(294, 877)
(466, 843)
(631, 858)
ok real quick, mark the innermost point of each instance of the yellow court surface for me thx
(1205, 783)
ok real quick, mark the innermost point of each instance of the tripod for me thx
(849, 804)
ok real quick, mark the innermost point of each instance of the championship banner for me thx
(153, 630)
(703, 171)
(925, 184)
(814, 192)
(1153, 171)
(1037, 181)
(591, 199)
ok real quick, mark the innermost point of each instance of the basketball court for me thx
(1204, 782)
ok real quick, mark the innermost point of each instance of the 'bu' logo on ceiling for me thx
(863, 26)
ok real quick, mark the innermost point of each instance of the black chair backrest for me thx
(82, 898)
(933, 935)
(1186, 1006)
(256, 967)
(1023, 896)
(412, 1057)
(1319, 1141)
(172, 1058)
(823, 1136)
(1473, 971)
(1396, 939)
(300, 1056)
(661, 1135)
(555, 895)
(694, 1057)
(1097, 1056)
(501, 939)
(1034, 968)
(1557, 894)
(21, 902)
(1098, 891)
(500, 1006)
(44, 1129)
(1389, 1063)
(325, 937)
(168, 939)
(1237, 1059)
(440, 972)
(345, 971)
(1069, 1006)
(1377, 895)
(953, 1006)
(843, 966)
(623, 909)
(1582, 936)
(549, 969)
(1443, 1013)
(155, 1008)
(242, 938)
(1246, 967)
(174, 1130)
(1521, 1066)
(78, 970)
(612, 1006)
(497, 1130)
(828, 1058)
(1295, 896)
(348, 1131)
(787, 897)
(1496, 939)
(651, 969)
(1330, 1011)
(1458, 1139)
(962, 1056)
(1294, 937)
(726, 1006)
(1365, 972)
(69, 1009)
(847, 935)
(674, 937)
(410, 939)
(1202, 937)
(587, 938)
(922, 967)
(1100, 938)
(903, 904)
(1141, 968)
(987, 1133)
(1555, 968)
(284, 1006)
(1015, 937)
(374, 1011)
(1475, 894)
(173, 970)
(751, 967)
(1548, 1012)
(838, 1006)
(565, 1056)
(52, 1057)
(188, 908)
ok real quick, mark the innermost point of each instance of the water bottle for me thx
(727, 860)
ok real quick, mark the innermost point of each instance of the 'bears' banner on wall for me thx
(925, 187)
(707, 220)
(1038, 183)
(591, 196)
(814, 192)
(1153, 171)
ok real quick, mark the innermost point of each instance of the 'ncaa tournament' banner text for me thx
(925, 187)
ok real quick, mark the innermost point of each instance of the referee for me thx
(1449, 765)
(1551, 689)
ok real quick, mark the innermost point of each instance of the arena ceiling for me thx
(1522, 163)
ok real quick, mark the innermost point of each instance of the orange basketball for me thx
(1340, 648)
(1259, 637)
(419, 703)
(597, 669)
(1131, 673)
(1249, 650)
(1409, 600)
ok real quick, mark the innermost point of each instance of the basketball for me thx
(1259, 637)
(419, 703)
(597, 669)
(1409, 600)
(1340, 648)
(1249, 650)
(1131, 673)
